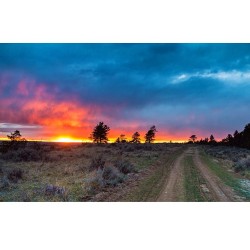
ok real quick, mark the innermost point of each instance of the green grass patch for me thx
(227, 177)
(192, 181)
(150, 188)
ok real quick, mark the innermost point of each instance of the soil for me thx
(173, 189)
(218, 189)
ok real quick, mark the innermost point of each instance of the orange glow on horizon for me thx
(68, 139)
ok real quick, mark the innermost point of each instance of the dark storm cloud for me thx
(206, 81)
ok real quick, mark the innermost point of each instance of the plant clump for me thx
(96, 163)
(15, 175)
(124, 166)
(108, 176)
(242, 165)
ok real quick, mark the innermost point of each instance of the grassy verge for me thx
(150, 188)
(192, 181)
(227, 177)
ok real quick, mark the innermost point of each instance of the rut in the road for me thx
(219, 190)
(171, 191)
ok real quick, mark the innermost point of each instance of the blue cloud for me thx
(151, 82)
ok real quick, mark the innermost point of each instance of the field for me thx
(124, 172)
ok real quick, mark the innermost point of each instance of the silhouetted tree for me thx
(100, 133)
(136, 138)
(150, 135)
(246, 136)
(212, 140)
(15, 136)
(229, 140)
(118, 140)
(123, 138)
(16, 141)
(237, 138)
(193, 138)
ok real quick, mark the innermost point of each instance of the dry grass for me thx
(66, 166)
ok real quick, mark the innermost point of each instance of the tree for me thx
(136, 138)
(123, 138)
(15, 136)
(212, 140)
(118, 140)
(16, 141)
(100, 133)
(193, 138)
(150, 135)
(237, 138)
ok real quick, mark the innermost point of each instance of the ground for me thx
(121, 172)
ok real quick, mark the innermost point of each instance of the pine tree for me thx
(100, 133)
(150, 135)
(136, 138)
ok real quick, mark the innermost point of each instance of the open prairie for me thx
(124, 172)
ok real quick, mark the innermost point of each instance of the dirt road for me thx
(172, 188)
(218, 189)
(213, 187)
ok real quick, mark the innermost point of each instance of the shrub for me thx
(24, 154)
(1, 167)
(242, 164)
(15, 174)
(96, 163)
(111, 176)
(108, 176)
(95, 183)
(129, 148)
(124, 166)
(53, 190)
(5, 182)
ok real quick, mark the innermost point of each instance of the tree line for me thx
(237, 139)
(101, 130)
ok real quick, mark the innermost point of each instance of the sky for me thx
(55, 91)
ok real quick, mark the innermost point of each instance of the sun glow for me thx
(67, 139)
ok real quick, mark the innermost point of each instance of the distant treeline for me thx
(238, 139)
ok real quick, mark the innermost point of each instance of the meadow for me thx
(124, 172)
(77, 172)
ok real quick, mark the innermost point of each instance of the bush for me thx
(24, 154)
(15, 174)
(53, 190)
(108, 176)
(95, 183)
(1, 167)
(111, 176)
(96, 163)
(124, 167)
(242, 164)
(5, 182)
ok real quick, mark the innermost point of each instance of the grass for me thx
(227, 177)
(192, 181)
(150, 188)
(68, 167)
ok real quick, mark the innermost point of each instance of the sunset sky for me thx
(53, 91)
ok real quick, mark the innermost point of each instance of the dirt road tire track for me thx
(218, 189)
(169, 192)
